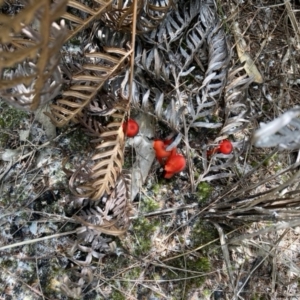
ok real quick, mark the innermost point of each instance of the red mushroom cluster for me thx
(172, 161)
(224, 147)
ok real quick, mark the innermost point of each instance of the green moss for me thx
(148, 205)
(196, 175)
(257, 297)
(28, 276)
(79, 141)
(8, 263)
(113, 265)
(2, 123)
(271, 160)
(203, 233)
(200, 264)
(128, 161)
(203, 191)
(10, 119)
(143, 231)
(222, 15)
(206, 293)
(116, 295)
(254, 164)
(75, 41)
(156, 188)
(278, 167)
(4, 200)
(131, 275)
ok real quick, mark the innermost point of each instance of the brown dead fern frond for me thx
(153, 14)
(80, 16)
(99, 175)
(11, 26)
(118, 205)
(98, 68)
(31, 42)
(121, 14)
(73, 289)
(109, 216)
(174, 23)
(95, 248)
(149, 14)
(103, 105)
(111, 211)
(109, 159)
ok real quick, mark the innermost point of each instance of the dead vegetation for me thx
(75, 223)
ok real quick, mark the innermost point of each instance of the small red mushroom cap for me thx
(161, 154)
(175, 164)
(225, 147)
(130, 128)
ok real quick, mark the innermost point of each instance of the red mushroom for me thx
(161, 153)
(172, 161)
(174, 164)
(130, 128)
(224, 147)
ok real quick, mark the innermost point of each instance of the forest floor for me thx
(170, 251)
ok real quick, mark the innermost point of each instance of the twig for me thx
(37, 240)
(225, 251)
